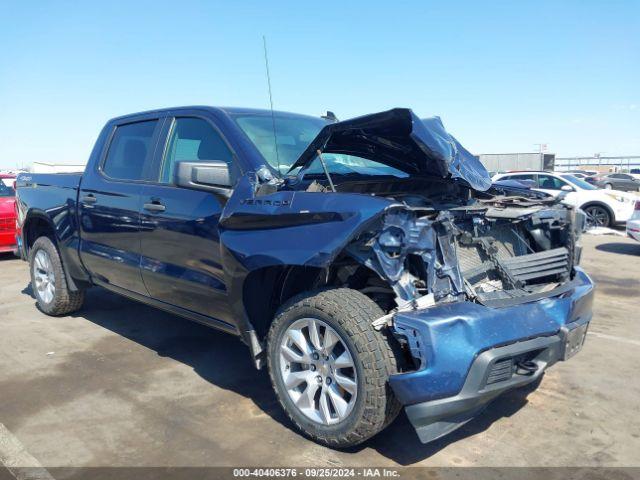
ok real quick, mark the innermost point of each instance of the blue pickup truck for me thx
(369, 263)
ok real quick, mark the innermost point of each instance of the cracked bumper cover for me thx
(459, 344)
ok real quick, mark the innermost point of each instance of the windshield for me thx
(294, 134)
(579, 183)
(6, 191)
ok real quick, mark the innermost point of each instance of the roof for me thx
(225, 110)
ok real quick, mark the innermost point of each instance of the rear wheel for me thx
(597, 216)
(49, 282)
(608, 186)
(330, 368)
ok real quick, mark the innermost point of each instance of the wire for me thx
(273, 118)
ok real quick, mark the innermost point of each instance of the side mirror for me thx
(567, 188)
(212, 176)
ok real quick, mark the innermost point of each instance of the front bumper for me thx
(469, 353)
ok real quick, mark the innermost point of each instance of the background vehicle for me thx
(7, 179)
(582, 173)
(616, 181)
(633, 225)
(369, 263)
(635, 173)
(603, 208)
(7, 218)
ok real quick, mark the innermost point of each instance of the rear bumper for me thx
(469, 352)
(7, 241)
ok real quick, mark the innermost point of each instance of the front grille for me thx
(7, 224)
(500, 371)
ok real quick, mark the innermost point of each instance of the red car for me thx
(7, 216)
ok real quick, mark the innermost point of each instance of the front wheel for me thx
(49, 282)
(608, 186)
(597, 216)
(330, 368)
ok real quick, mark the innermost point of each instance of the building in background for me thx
(502, 162)
(599, 163)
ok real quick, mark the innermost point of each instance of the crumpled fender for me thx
(287, 228)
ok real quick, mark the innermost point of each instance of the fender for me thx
(292, 228)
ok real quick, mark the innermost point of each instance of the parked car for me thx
(603, 208)
(635, 173)
(7, 219)
(7, 179)
(616, 181)
(368, 263)
(633, 225)
(582, 173)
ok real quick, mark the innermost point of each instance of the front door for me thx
(181, 258)
(109, 206)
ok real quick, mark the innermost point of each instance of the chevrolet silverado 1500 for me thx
(369, 263)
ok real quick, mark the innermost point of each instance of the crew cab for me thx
(369, 263)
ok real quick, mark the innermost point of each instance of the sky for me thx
(502, 75)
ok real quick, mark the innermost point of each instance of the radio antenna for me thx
(273, 117)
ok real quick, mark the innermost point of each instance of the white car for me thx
(603, 207)
(633, 224)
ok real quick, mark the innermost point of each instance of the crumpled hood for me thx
(400, 139)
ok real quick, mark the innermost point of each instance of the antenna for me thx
(273, 118)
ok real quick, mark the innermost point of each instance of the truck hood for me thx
(400, 139)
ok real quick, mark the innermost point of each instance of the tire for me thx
(347, 313)
(597, 216)
(608, 186)
(49, 282)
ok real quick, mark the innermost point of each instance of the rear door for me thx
(181, 258)
(109, 204)
(628, 182)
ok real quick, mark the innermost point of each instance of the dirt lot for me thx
(120, 383)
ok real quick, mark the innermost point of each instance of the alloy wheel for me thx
(318, 371)
(597, 216)
(44, 276)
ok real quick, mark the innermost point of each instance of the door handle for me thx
(89, 199)
(154, 207)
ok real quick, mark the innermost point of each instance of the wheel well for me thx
(266, 289)
(603, 205)
(35, 228)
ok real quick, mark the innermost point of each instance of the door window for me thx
(548, 182)
(193, 140)
(521, 177)
(130, 151)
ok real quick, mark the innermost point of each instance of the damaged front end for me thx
(487, 296)
(480, 286)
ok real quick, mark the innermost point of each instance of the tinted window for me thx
(130, 151)
(193, 140)
(550, 183)
(520, 177)
(624, 176)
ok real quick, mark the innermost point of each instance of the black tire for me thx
(350, 314)
(596, 211)
(64, 300)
